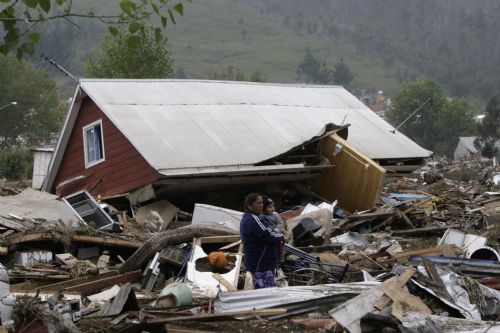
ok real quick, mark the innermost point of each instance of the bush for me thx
(16, 163)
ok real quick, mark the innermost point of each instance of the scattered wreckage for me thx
(425, 259)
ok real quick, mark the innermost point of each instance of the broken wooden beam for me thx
(100, 240)
(219, 316)
(160, 240)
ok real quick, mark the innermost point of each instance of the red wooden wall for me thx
(123, 170)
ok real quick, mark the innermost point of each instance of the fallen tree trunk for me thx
(160, 240)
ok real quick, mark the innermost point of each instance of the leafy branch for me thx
(133, 14)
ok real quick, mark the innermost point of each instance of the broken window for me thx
(93, 144)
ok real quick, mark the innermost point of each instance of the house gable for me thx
(124, 169)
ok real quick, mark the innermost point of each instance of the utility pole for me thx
(411, 115)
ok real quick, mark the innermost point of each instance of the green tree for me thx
(312, 70)
(20, 17)
(231, 73)
(37, 112)
(16, 163)
(342, 75)
(439, 124)
(489, 130)
(116, 58)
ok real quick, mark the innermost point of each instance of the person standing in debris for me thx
(260, 244)
(269, 217)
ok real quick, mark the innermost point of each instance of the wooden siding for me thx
(123, 170)
(356, 187)
(40, 166)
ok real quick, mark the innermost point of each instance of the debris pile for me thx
(425, 259)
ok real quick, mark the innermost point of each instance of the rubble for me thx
(425, 259)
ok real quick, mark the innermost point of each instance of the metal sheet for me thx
(272, 297)
(183, 123)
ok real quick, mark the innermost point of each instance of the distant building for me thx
(378, 103)
(466, 148)
(41, 157)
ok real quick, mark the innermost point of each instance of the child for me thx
(270, 218)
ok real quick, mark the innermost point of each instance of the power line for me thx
(59, 67)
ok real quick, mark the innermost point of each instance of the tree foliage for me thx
(488, 141)
(453, 41)
(231, 73)
(118, 58)
(438, 125)
(312, 70)
(37, 112)
(19, 18)
(16, 163)
(341, 74)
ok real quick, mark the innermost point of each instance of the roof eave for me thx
(62, 141)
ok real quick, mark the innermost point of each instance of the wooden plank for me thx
(118, 319)
(12, 225)
(430, 251)
(403, 301)
(217, 316)
(355, 186)
(7, 233)
(231, 245)
(424, 231)
(76, 238)
(407, 220)
(67, 259)
(174, 329)
(219, 239)
(96, 286)
(400, 281)
(31, 285)
(403, 168)
(224, 282)
(107, 241)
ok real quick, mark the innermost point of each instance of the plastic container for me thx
(175, 294)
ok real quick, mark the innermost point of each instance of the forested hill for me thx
(384, 42)
(455, 41)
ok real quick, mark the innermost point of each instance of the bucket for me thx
(175, 294)
(485, 253)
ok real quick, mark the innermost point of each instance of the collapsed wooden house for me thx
(185, 136)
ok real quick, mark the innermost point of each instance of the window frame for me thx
(85, 152)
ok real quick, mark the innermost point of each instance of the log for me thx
(160, 240)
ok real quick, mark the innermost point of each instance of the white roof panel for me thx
(194, 124)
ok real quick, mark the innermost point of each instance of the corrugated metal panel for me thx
(189, 124)
(270, 297)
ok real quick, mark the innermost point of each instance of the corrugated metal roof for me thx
(468, 143)
(192, 124)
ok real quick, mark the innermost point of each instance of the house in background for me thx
(465, 147)
(377, 102)
(42, 155)
(186, 136)
(41, 161)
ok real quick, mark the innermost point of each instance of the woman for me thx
(260, 244)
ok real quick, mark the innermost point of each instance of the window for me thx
(93, 144)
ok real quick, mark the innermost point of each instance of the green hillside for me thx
(220, 33)
(384, 42)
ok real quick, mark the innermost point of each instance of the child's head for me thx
(268, 205)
